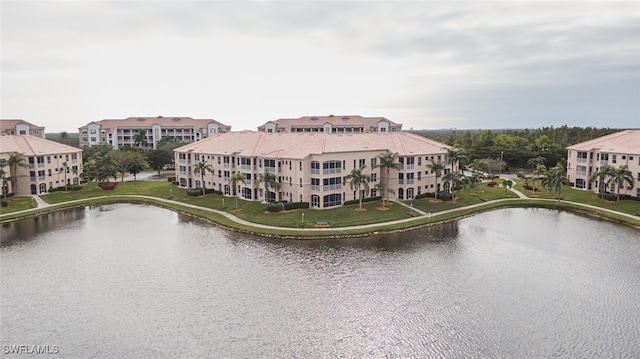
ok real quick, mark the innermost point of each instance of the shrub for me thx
(531, 188)
(275, 207)
(4, 203)
(492, 184)
(171, 179)
(175, 183)
(285, 206)
(76, 187)
(425, 195)
(107, 186)
(614, 197)
(364, 200)
(445, 196)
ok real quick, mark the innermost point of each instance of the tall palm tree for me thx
(140, 138)
(14, 161)
(65, 167)
(601, 176)
(455, 155)
(3, 176)
(359, 179)
(388, 160)
(455, 178)
(535, 162)
(541, 170)
(437, 168)
(202, 167)
(619, 178)
(555, 178)
(270, 182)
(381, 186)
(235, 179)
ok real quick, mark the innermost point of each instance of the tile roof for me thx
(33, 146)
(335, 121)
(136, 122)
(627, 141)
(10, 124)
(299, 145)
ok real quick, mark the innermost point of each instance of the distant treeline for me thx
(70, 139)
(517, 146)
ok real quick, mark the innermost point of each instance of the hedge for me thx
(107, 186)
(285, 206)
(198, 192)
(364, 200)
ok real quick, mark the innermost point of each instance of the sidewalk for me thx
(42, 204)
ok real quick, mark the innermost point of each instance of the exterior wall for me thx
(321, 187)
(46, 172)
(22, 128)
(581, 165)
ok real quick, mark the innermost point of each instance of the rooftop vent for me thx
(314, 118)
(140, 119)
(345, 117)
(176, 119)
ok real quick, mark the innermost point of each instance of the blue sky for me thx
(426, 64)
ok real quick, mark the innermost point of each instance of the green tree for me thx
(455, 155)
(382, 186)
(357, 179)
(388, 161)
(555, 178)
(540, 171)
(14, 161)
(437, 168)
(619, 178)
(124, 161)
(535, 162)
(140, 138)
(456, 179)
(202, 168)
(159, 158)
(65, 168)
(270, 182)
(234, 181)
(600, 177)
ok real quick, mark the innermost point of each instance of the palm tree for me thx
(474, 178)
(202, 167)
(555, 178)
(65, 167)
(270, 182)
(140, 138)
(358, 179)
(3, 176)
(235, 179)
(14, 161)
(535, 162)
(619, 178)
(437, 168)
(455, 178)
(601, 176)
(541, 170)
(381, 186)
(388, 160)
(455, 155)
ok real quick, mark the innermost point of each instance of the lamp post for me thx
(303, 218)
(223, 203)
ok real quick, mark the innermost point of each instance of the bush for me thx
(171, 179)
(614, 197)
(107, 186)
(531, 188)
(175, 183)
(364, 200)
(445, 196)
(492, 184)
(425, 195)
(4, 203)
(76, 187)
(285, 206)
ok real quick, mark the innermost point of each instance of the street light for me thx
(501, 153)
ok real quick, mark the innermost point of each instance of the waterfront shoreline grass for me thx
(344, 221)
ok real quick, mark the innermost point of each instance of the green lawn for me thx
(337, 217)
(465, 197)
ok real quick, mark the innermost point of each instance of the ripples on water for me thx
(138, 281)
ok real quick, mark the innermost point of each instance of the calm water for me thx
(139, 281)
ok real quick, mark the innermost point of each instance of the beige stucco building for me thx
(332, 124)
(46, 160)
(617, 149)
(122, 132)
(310, 167)
(20, 127)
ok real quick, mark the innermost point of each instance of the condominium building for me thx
(332, 124)
(146, 132)
(617, 149)
(310, 166)
(51, 164)
(20, 127)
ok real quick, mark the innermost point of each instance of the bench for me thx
(322, 223)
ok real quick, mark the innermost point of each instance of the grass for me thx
(337, 217)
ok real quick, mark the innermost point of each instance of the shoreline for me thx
(230, 222)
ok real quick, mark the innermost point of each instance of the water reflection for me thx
(138, 281)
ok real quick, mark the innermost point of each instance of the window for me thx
(581, 171)
(419, 161)
(330, 167)
(401, 178)
(315, 167)
(374, 162)
(410, 162)
(332, 200)
(374, 177)
(315, 184)
(333, 183)
(245, 163)
(582, 157)
(604, 158)
(361, 162)
(409, 178)
(614, 158)
(270, 165)
(315, 200)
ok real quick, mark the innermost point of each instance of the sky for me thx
(425, 64)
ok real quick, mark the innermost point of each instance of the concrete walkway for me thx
(42, 205)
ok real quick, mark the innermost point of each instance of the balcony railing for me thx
(315, 187)
(582, 160)
(315, 171)
(331, 187)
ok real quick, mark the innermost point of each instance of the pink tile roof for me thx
(627, 141)
(137, 122)
(300, 145)
(10, 124)
(33, 146)
(335, 121)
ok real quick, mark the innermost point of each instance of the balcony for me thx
(582, 160)
(315, 187)
(331, 187)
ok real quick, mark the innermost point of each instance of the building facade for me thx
(617, 149)
(310, 167)
(331, 124)
(146, 132)
(51, 164)
(20, 127)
